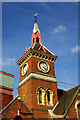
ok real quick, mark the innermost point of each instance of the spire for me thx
(35, 29)
(36, 36)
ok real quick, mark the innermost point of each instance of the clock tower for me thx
(37, 84)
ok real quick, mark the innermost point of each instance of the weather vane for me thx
(35, 17)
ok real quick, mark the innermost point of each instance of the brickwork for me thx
(32, 66)
(29, 89)
(31, 80)
(5, 98)
(12, 110)
(35, 36)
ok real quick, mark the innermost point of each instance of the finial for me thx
(35, 17)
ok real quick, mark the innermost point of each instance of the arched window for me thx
(78, 108)
(49, 97)
(40, 95)
(37, 40)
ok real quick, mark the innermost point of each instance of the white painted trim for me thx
(33, 45)
(47, 49)
(55, 116)
(37, 76)
(51, 112)
(55, 106)
(76, 104)
(18, 113)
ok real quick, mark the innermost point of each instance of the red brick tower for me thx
(6, 88)
(37, 84)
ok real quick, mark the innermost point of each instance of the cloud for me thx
(7, 62)
(59, 28)
(45, 6)
(75, 49)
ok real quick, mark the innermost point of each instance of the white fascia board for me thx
(54, 115)
(55, 106)
(48, 50)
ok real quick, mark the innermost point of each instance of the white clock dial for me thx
(25, 67)
(43, 66)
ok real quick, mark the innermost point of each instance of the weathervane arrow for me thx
(35, 14)
(35, 17)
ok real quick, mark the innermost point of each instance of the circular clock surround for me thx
(24, 69)
(43, 66)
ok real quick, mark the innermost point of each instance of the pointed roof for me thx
(65, 101)
(38, 49)
(35, 29)
(41, 48)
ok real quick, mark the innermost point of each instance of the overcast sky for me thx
(58, 24)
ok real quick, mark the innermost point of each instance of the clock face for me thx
(43, 66)
(24, 70)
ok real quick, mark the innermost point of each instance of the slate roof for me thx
(66, 100)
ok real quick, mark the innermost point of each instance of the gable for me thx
(12, 109)
(73, 110)
(41, 48)
(66, 104)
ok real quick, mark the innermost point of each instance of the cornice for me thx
(37, 76)
(36, 54)
(37, 73)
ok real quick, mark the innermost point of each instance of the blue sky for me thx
(58, 24)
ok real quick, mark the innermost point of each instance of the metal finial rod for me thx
(35, 17)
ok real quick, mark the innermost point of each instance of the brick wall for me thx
(32, 66)
(5, 99)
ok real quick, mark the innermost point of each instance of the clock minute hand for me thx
(44, 68)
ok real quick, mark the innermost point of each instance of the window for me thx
(37, 40)
(40, 95)
(78, 108)
(49, 97)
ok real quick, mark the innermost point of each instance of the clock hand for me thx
(44, 68)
